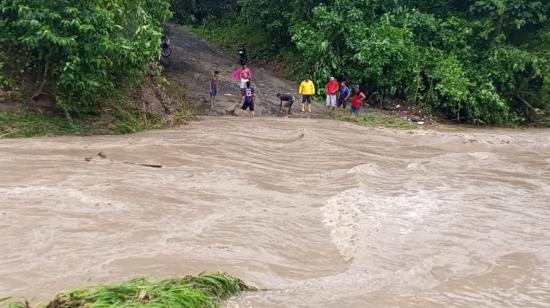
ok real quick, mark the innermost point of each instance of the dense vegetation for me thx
(485, 61)
(82, 52)
(205, 291)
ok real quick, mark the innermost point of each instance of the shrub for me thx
(83, 50)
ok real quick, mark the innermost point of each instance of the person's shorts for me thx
(342, 103)
(355, 110)
(289, 103)
(214, 93)
(248, 105)
(331, 100)
(306, 99)
(243, 83)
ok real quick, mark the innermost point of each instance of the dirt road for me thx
(194, 60)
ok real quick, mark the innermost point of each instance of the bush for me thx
(456, 62)
(82, 50)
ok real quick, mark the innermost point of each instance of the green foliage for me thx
(204, 291)
(485, 61)
(4, 76)
(455, 61)
(190, 11)
(83, 51)
(234, 35)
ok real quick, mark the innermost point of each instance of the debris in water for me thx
(104, 156)
(144, 165)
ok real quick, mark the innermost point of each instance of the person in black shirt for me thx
(243, 57)
(289, 100)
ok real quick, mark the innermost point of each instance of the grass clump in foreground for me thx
(205, 290)
(374, 119)
(31, 124)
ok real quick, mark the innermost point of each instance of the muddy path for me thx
(194, 60)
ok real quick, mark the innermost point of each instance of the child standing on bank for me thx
(249, 97)
(357, 100)
(214, 88)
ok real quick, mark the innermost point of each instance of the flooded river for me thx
(319, 213)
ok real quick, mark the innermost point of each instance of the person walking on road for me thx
(289, 101)
(332, 91)
(249, 97)
(307, 90)
(214, 88)
(345, 93)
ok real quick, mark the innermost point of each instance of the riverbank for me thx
(157, 103)
(174, 99)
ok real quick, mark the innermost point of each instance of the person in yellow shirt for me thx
(307, 90)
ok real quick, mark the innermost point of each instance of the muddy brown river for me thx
(319, 213)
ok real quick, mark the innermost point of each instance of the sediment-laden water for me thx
(320, 213)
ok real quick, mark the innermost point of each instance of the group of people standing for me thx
(244, 77)
(337, 94)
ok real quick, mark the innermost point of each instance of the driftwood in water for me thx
(104, 156)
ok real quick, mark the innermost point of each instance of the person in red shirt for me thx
(357, 100)
(332, 90)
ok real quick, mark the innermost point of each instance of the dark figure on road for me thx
(243, 57)
(214, 88)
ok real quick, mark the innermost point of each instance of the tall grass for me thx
(29, 124)
(205, 290)
(374, 119)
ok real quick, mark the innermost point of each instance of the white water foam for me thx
(361, 217)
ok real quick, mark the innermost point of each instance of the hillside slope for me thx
(194, 60)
